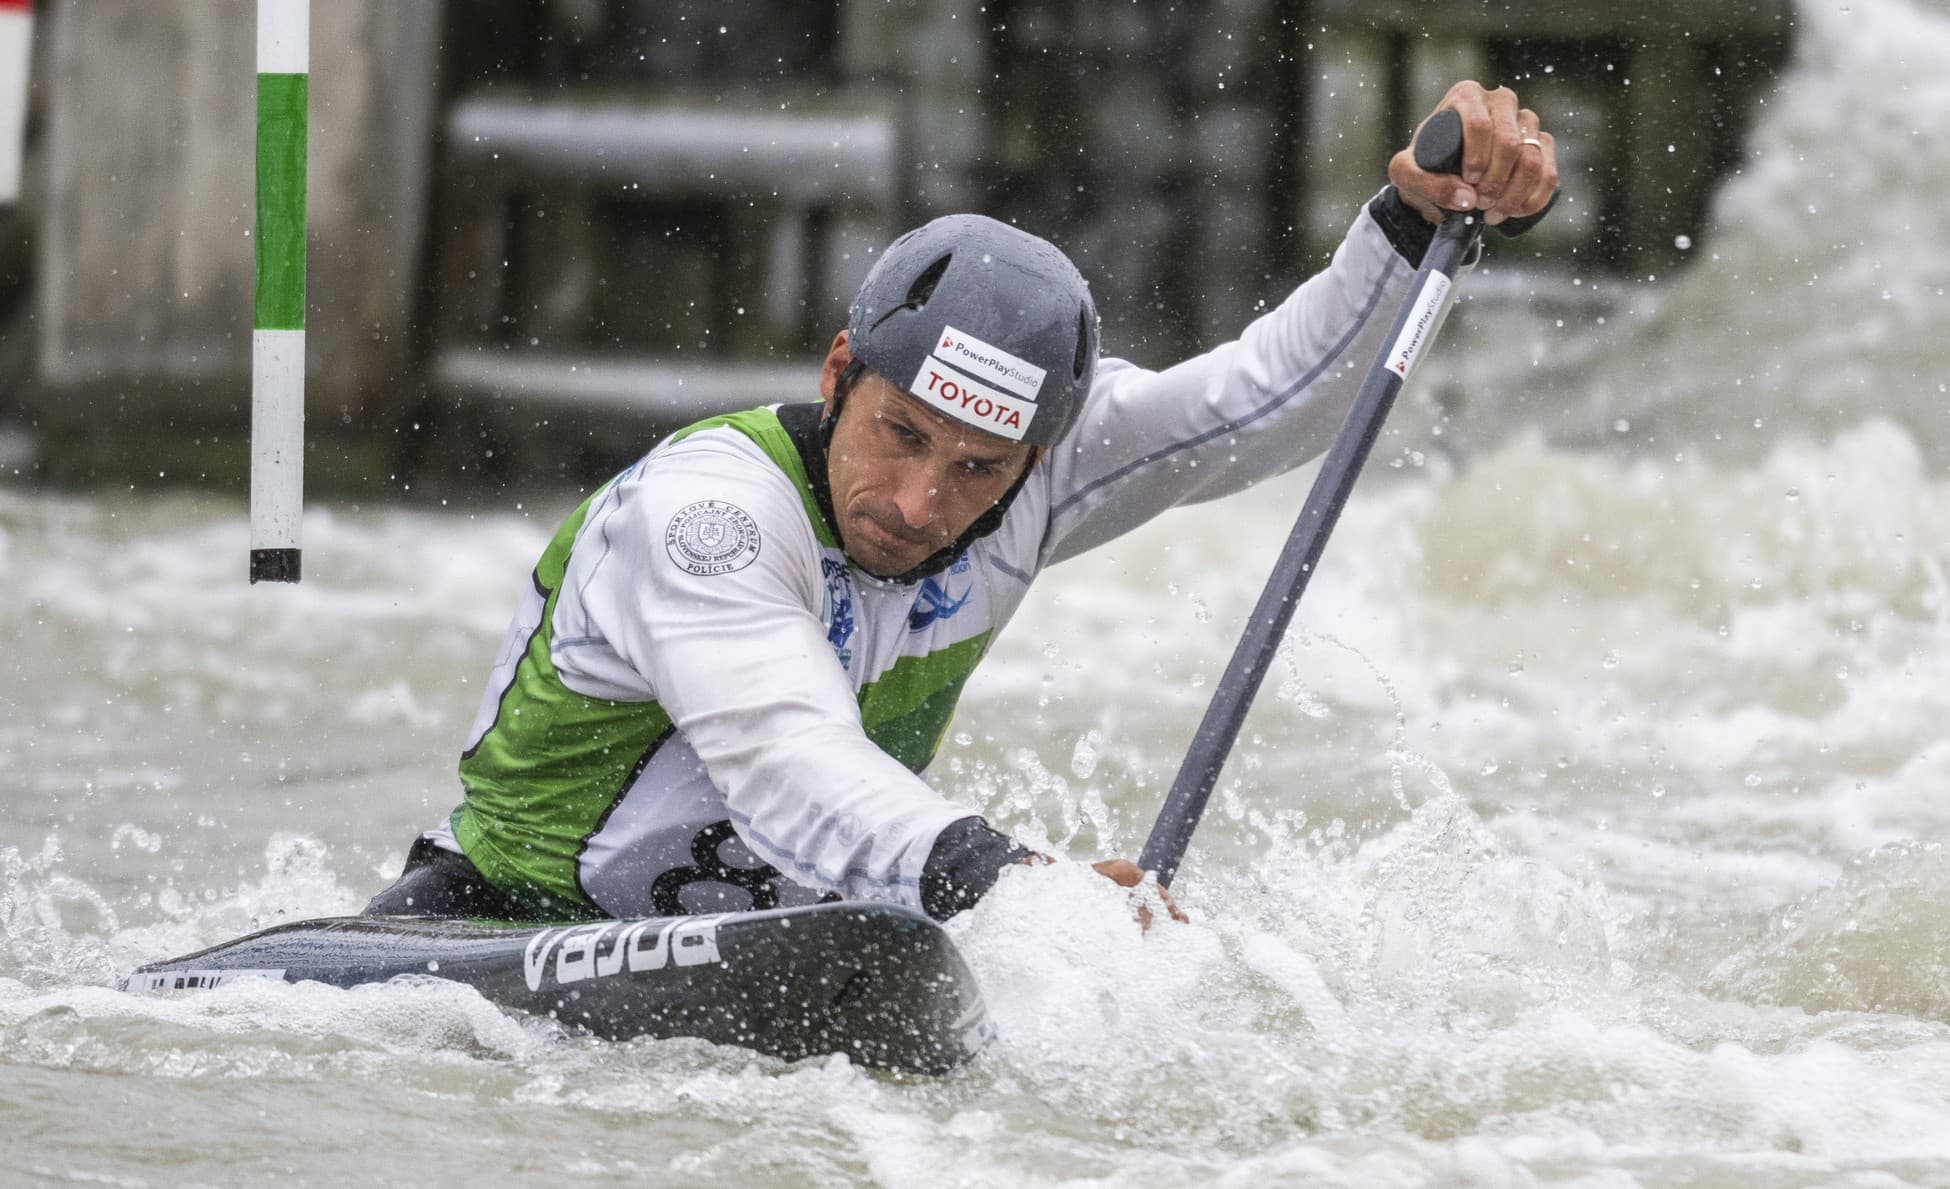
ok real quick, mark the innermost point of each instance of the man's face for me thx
(906, 480)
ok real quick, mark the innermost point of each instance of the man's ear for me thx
(837, 357)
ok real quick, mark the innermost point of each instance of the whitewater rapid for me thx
(1587, 831)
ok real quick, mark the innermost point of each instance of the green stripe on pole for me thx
(281, 135)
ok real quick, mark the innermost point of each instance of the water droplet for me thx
(1752, 780)
(1683, 242)
(1611, 660)
(1658, 790)
(1794, 493)
(1083, 758)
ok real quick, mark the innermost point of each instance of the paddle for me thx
(1438, 149)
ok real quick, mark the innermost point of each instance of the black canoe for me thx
(880, 983)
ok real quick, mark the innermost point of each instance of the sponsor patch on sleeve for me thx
(711, 537)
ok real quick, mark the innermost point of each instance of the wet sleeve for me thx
(1407, 231)
(703, 576)
(1247, 410)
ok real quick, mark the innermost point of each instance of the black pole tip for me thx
(274, 565)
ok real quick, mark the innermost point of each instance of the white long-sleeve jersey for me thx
(702, 705)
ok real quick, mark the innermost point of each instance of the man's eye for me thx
(902, 432)
(976, 466)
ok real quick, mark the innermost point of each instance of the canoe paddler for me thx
(736, 657)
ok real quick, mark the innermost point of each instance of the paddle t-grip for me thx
(1439, 149)
(1439, 143)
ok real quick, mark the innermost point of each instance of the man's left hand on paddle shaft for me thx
(1509, 161)
(1127, 874)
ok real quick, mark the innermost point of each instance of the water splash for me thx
(48, 917)
(1878, 940)
(1812, 308)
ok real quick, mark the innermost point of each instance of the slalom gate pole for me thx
(16, 53)
(1438, 149)
(278, 305)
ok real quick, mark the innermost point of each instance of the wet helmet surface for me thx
(983, 322)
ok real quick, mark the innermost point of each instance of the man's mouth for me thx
(890, 538)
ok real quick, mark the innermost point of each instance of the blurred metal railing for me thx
(776, 177)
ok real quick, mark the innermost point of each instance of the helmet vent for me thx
(919, 293)
(923, 287)
(1083, 342)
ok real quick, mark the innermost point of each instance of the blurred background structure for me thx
(542, 231)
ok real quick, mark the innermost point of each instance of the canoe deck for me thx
(880, 983)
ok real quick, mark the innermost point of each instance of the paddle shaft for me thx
(1414, 330)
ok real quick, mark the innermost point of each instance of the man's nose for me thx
(916, 496)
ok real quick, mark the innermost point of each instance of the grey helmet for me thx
(981, 321)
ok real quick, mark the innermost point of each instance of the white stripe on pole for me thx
(16, 42)
(284, 36)
(277, 437)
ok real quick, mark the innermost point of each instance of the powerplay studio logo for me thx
(980, 384)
